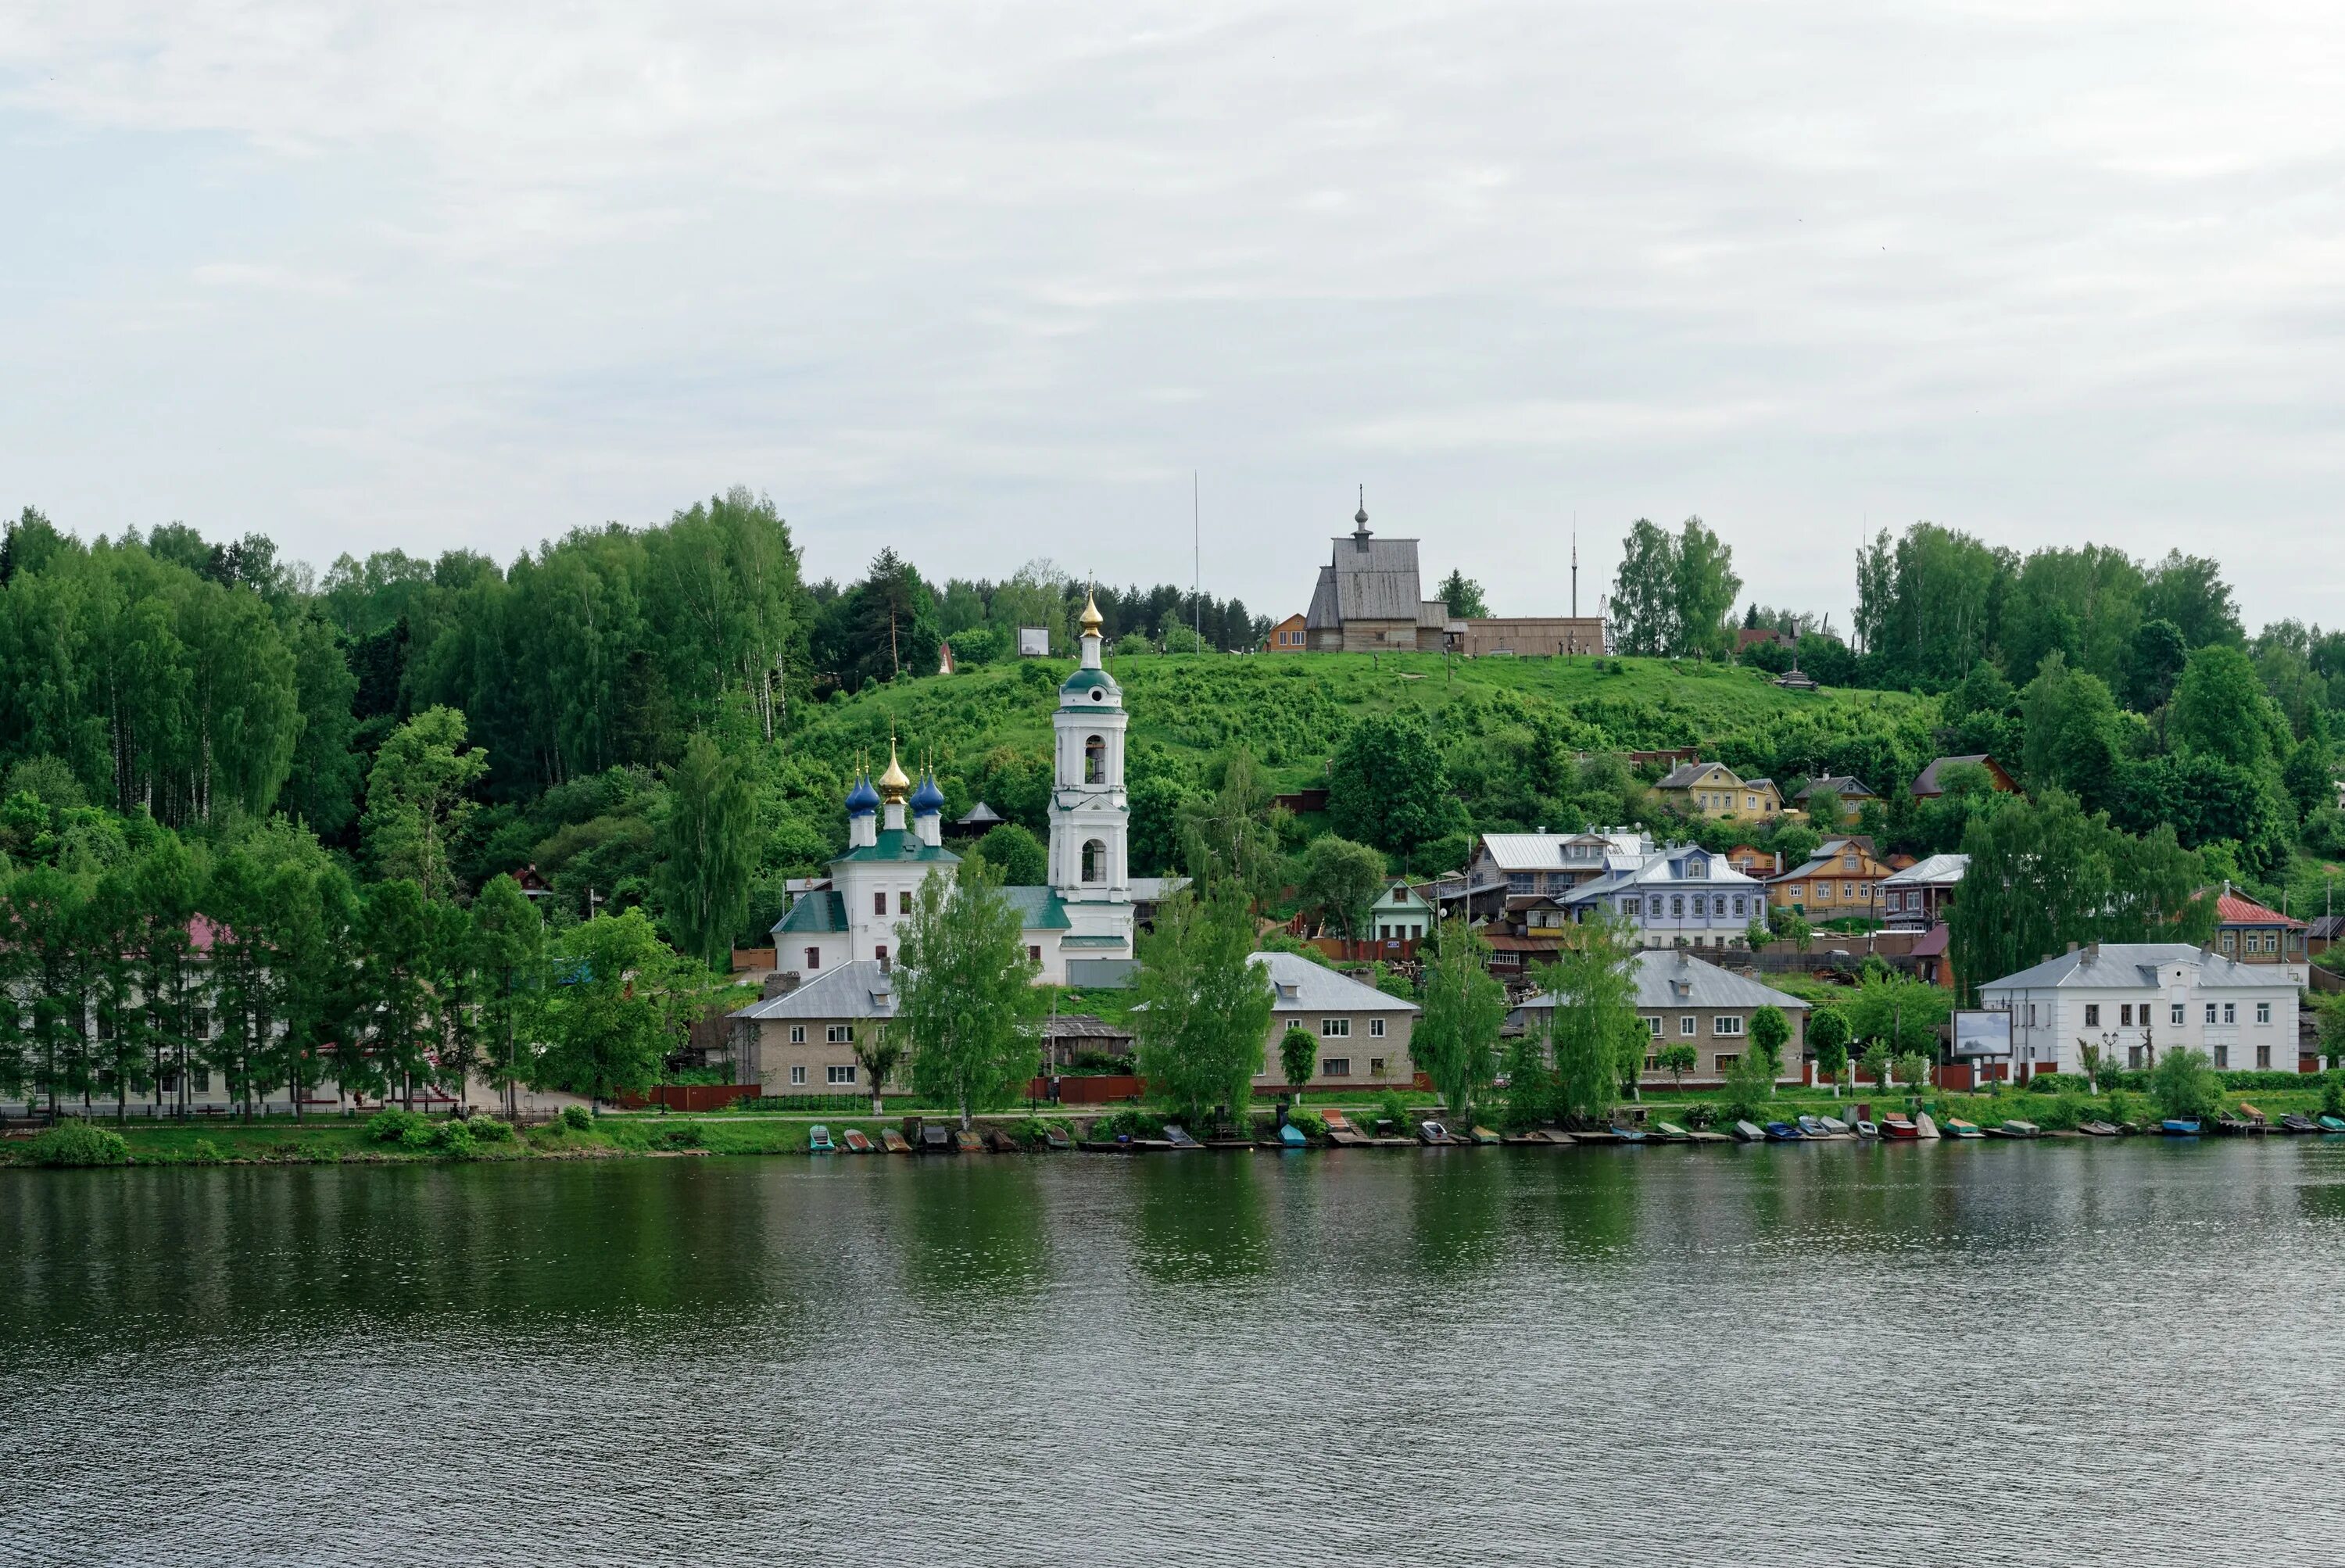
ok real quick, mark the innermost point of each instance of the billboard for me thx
(1034, 642)
(1982, 1035)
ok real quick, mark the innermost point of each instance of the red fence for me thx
(1087, 1088)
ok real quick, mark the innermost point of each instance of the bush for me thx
(1310, 1123)
(2246, 1082)
(1132, 643)
(420, 1138)
(2333, 1092)
(578, 1118)
(453, 1139)
(2046, 1084)
(2184, 1084)
(78, 1144)
(2064, 1113)
(204, 1152)
(1132, 1123)
(1393, 1109)
(489, 1130)
(392, 1126)
(680, 1135)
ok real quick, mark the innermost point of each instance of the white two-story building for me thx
(2133, 999)
(1682, 895)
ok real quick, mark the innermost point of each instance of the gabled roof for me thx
(861, 989)
(2327, 927)
(899, 844)
(1680, 980)
(1668, 868)
(813, 914)
(1299, 985)
(1545, 851)
(2236, 909)
(1926, 782)
(1844, 785)
(1935, 870)
(2136, 965)
(1686, 775)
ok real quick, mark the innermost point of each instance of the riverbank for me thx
(397, 1139)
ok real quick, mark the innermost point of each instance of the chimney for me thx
(2072, 947)
(2093, 950)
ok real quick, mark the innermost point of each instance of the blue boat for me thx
(1784, 1133)
(2179, 1127)
(1291, 1137)
(1629, 1135)
(2331, 1125)
(818, 1140)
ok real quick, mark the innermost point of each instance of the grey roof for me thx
(1685, 774)
(1082, 1026)
(1671, 869)
(2329, 927)
(1369, 579)
(862, 989)
(1680, 980)
(1302, 985)
(1547, 851)
(1840, 784)
(2134, 965)
(1155, 890)
(1936, 869)
(813, 914)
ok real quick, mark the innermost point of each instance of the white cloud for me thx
(449, 274)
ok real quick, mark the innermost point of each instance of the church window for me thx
(1095, 861)
(814, 958)
(879, 902)
(880, 955)
(904, 901)
(1095, 759)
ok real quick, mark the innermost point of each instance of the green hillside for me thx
(1506, 727)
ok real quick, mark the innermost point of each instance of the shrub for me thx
(78, 1144)
(392, 1126)
(454, 1139)
(578, 1118)
(681, 1136)
(1310, 1123)
(2184, 1084)
(1134, 1124)
(2046, 1084)
(2333, 1092)
(489, 1130)
(1749, 1086)
(2065, 1111)
(1393, 1109)
(204, 1152)
(420, 1138)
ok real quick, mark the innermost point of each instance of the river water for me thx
(2049, 1353)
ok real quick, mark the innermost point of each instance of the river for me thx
(2051, 1353)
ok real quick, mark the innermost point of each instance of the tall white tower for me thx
(1090, 867)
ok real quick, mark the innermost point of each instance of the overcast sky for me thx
(988, 282)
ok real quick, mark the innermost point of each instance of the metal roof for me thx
(862, 989)
(1689, 774)
(1671, 868)
(1545, 852)
(2137, 965)
(899, 844)
(1680, 980)
(1039, 909)
(1936, 869)
(2237, 909)
(1301, 985)
(813, 914)
(1842, 784)
(1155, 890)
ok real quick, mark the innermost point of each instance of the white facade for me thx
(2133, 999)
(1683, 894)
(1091, 820)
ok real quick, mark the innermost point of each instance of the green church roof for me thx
(1039, 909)
(901, 846)
(1085, 680)
(813, 914)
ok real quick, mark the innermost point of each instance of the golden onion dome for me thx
(893, 784)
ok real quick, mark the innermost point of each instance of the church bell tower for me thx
(1090, 869)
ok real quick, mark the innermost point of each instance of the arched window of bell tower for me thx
(1094, 861)
(1095, 759)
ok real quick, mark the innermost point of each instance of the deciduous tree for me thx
(965, 1001)
(1455, 1041)
(1207, 1010)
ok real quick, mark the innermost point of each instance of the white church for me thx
(895, 842)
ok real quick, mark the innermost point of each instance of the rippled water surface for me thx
(2046, 1353)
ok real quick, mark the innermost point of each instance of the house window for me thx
(2092, 1015)
(839, 1034)
(1799, 891)
(837, 1075)
(1686, 1023)
(1652, 1023)
(2210, 1013)
(2230, 941)
(2031, 1015)
(879, 904)
(2133, 1058)
(1727, 1059)
(1335, 1067)
(1824, 892)
(797, 1034)
(2263, 1057)
(797, 1074)
(200, 1023)
(1376, 1028)
(2263, 1014)
(881, 953)
(203, 1076)
(2174, 1013)
(1738, 903)
(2230, 1012)
(1656, 907)
(1677, 906)
(1521, 883)
(814, 958)
(1335, 1028)
(1375, 1066)
(2125, 1016)
(1652, 1064)
(1847, 891)
(2222, 1055)
(1726, 1023)
(904, 901)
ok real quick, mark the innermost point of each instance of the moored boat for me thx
(1434, 1132)
(1813, 1126)
(1750, 1133)
(1628, 1135)
(1484, 1135)
(2097, 1129)
(1866, 1129)
(1956, 1127)
(894, 1142)
(1291, 1136)
(2016, 1128)
(1784, 1133)
(1177, 1137)
(2297, 1122)
(2332, 1123)
(1834, 1128)
(1056, 1140)
(2179, 1127)
(1899, 1128)
(1002, 1142)
(1924, 1127)
(818, 1140)
(857, 1144)
(1670, 1132)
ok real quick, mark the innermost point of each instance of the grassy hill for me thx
(1292, 710)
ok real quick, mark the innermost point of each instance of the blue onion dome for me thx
(927, 800)
(863, 800)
